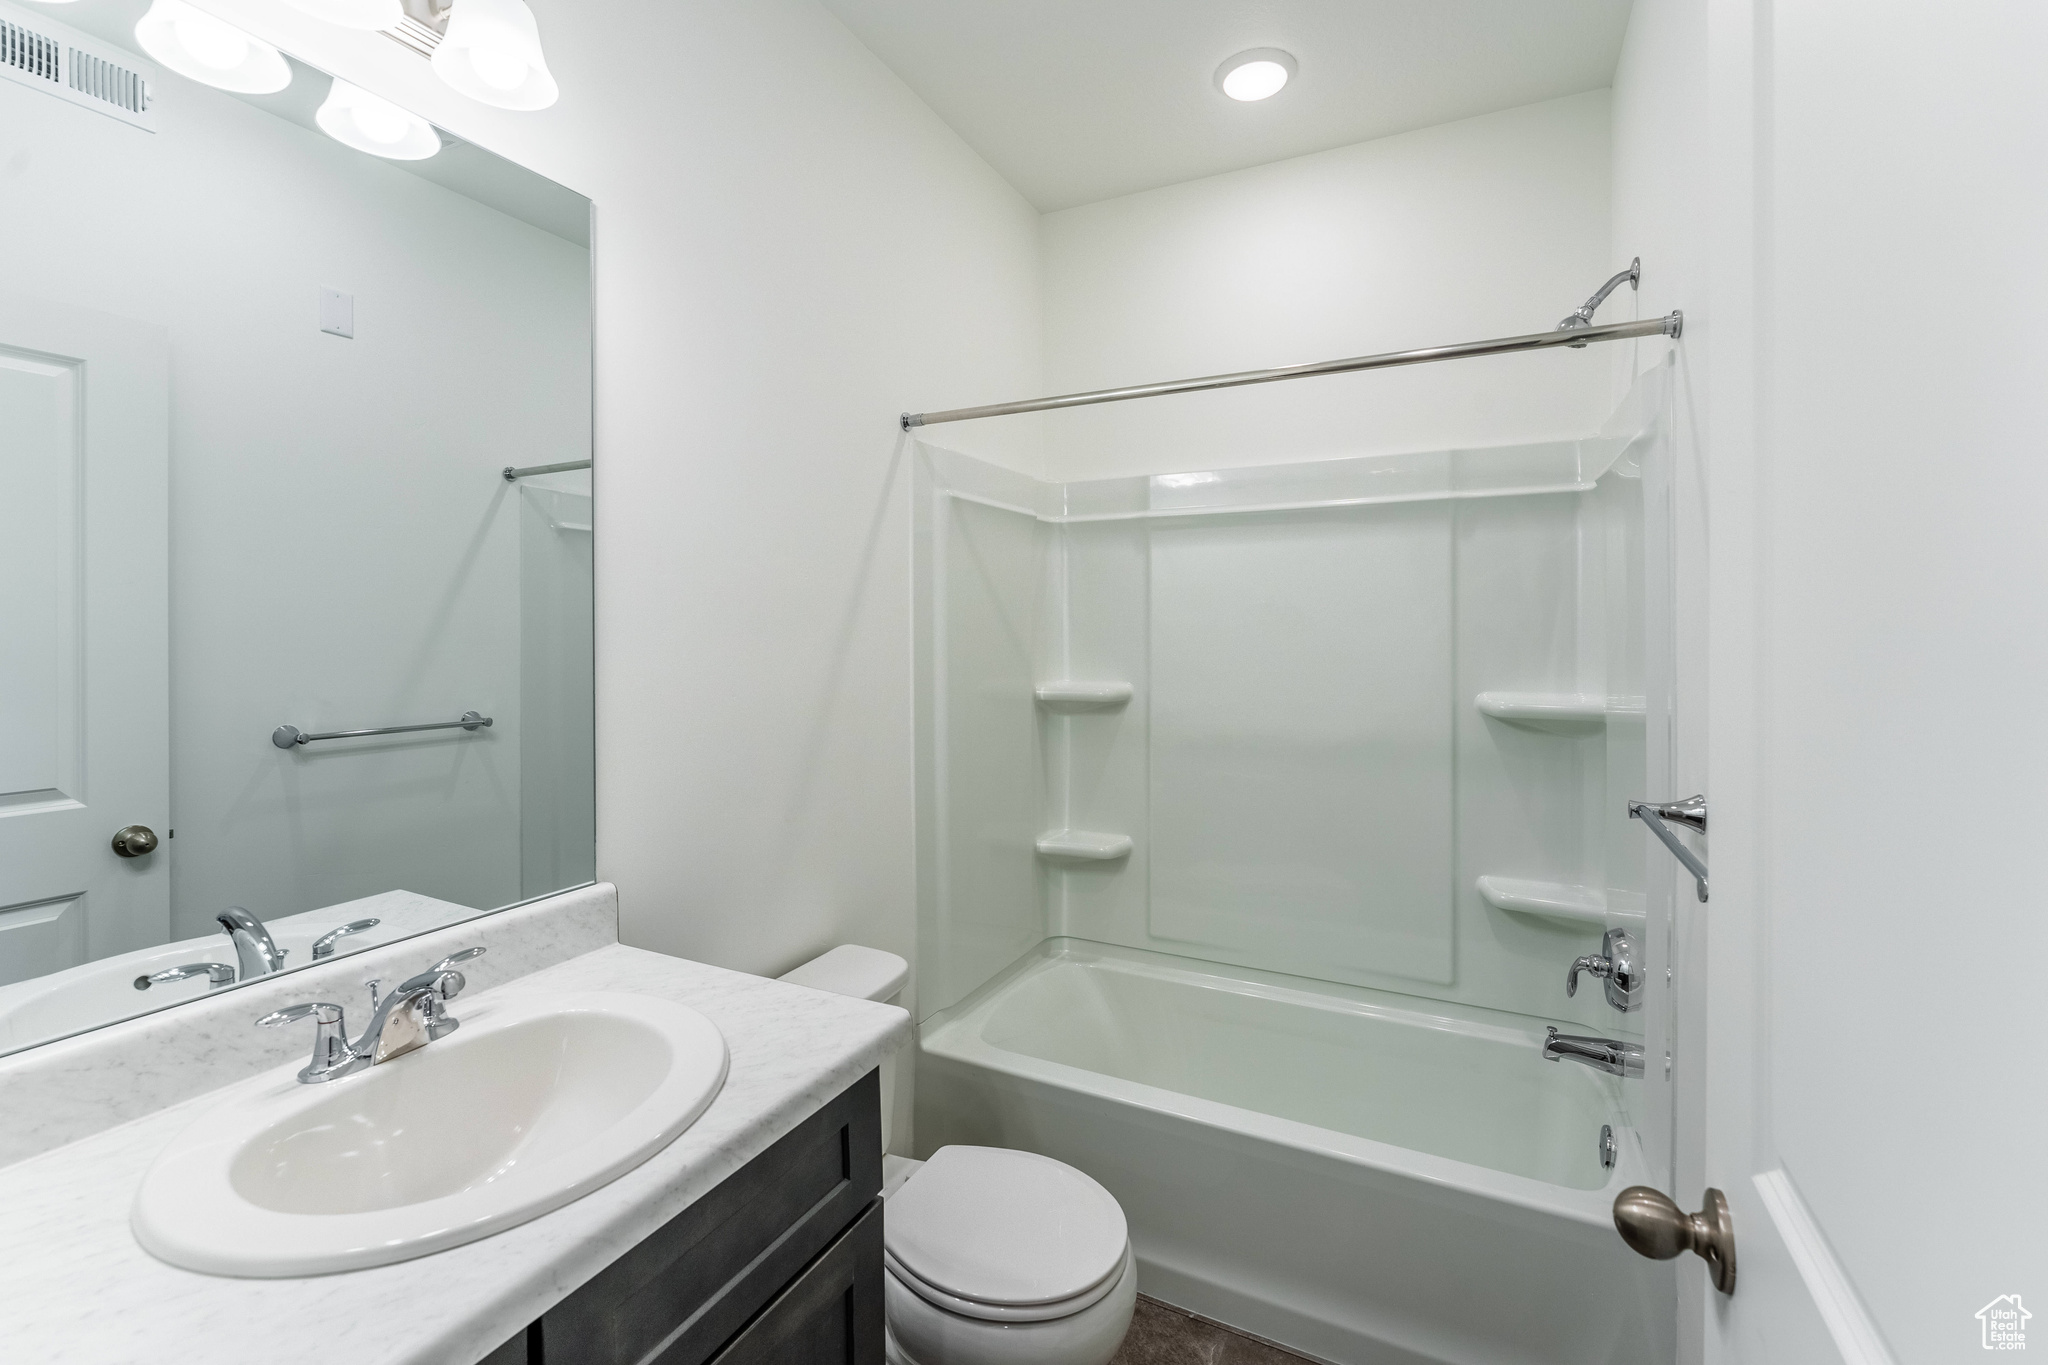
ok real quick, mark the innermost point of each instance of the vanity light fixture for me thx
(491, 53)
(211, 51)
(369, 14)
(375, 125)
(1255, 75)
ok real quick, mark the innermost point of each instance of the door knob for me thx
(1655, 1227)
(134, 841)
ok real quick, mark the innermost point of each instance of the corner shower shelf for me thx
(1083, 845)
(1082, 696)
(1555, 710)
(1579, 905)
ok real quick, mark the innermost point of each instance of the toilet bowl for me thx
(991, 1256)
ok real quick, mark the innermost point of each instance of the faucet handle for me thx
(1592, 963)
(320, 1012)
(323, 946)
(449, 961)
(432, 975)
(332, 1055)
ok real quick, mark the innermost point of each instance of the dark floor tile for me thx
(1166, 1336)
(1160, 1336)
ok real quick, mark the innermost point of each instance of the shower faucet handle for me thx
(1618, 965)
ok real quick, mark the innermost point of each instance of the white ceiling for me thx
(1078, 100)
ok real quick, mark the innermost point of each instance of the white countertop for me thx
(77, 1287)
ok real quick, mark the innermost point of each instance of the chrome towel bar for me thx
(513, 472)
(1692, 813)
(291, 736)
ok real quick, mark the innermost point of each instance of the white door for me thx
(1876, 1104)
(84, 667)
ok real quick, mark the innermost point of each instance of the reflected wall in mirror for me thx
(258, 391)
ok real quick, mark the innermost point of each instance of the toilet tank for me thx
(866, 974)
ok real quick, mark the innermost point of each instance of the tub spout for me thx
(1611, 1055)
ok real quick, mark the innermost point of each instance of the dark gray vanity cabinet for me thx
(780, 1265)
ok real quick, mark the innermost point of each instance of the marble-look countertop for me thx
(78, 1288)
(65, 1091)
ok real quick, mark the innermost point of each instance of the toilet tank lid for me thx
(850, 969)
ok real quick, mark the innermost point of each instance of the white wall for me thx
(1488, 227)
(791, 249)
(343, 553)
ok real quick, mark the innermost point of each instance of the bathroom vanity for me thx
(753, 1236)
(781, 1262)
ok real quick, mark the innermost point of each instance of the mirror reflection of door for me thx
(84, 746)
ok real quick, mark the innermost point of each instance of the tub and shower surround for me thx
(1360, 1175)
(1356, 731)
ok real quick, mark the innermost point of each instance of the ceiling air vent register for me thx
(53, 59)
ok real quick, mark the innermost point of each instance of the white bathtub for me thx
(1369, 1178)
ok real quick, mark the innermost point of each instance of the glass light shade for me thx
(353, 13)
(491, 53)
(1255, 75)
(375, 125)
(211, 51)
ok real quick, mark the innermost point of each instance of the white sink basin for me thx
(521, 1110)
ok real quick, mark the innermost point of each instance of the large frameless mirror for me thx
(295, 632)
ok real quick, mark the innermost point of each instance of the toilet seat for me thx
(1004, 1236)
(996, 1312)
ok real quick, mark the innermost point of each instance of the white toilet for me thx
(993, 1256)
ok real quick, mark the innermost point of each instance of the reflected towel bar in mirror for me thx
(513, 472)
(290, 736)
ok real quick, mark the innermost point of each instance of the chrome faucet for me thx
(255, 953)
(410, 1017)
(1616, 963)
(1611, 1055)
(217, 974)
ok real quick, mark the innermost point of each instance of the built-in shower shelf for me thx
(1581, 905)
(1082, 696)
(1083, 845)
(1556, 710)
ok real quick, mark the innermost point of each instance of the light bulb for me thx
(1255, 75)
(380, 122)
(194, 43)
(497, 69)
(369, 123)
(211, 43)
(491, 53)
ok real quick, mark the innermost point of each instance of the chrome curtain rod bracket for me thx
(1692, 813)
(1575, 332)
(291, 736)
(512, 472)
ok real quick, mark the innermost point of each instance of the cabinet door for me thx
(681, 1294)
(830, 1315)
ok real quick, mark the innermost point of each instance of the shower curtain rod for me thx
(1573, 333)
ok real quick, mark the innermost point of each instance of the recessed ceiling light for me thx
(371, 124)
(1255, 75)
(212, 51)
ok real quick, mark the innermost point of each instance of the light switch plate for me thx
(337, 313)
